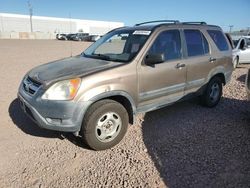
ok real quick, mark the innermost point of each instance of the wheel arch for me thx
(121, 97)
(221, 76)
(219, 72)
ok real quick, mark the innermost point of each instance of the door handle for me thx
(180, 65)
(212, 60)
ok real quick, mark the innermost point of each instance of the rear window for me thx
(218, 39)
(196, 43)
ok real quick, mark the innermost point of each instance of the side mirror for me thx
(152, 59)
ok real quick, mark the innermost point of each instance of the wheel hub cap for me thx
(108, 127)
(214, 92)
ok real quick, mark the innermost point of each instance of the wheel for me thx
(213, 93)
(236, 62)
(104, 124)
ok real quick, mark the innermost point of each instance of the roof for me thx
(151, 25)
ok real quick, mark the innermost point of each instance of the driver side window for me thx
(167, 43)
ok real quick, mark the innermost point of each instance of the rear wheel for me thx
(104, 124)
(213, 93)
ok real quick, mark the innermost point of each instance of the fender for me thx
(115, 93)
(109, 94)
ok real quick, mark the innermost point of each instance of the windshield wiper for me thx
(101, 56)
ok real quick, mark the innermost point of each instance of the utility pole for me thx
(70, 33)
(2, 23)
(31, 13)
(231, 28)
(248, 30)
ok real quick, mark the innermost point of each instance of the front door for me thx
(162, 83)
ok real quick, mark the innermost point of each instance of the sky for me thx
(217, 12)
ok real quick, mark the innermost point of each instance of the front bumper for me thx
(63, 116)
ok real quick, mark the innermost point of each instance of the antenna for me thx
(31, 13)
(70, 25)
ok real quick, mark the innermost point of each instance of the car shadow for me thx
(194, 146)
(23, 122)
(242, 78)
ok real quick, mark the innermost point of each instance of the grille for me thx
(31, 86)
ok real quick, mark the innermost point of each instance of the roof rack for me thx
(157, 21)
(198, 23)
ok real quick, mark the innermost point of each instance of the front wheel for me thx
(104, 124)
(236, 62)
(213, 93)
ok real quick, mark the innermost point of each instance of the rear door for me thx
(199, 60)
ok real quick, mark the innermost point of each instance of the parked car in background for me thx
(92, 38)
(241, 52)
(70, 36)
(80, 36)
(61, 36)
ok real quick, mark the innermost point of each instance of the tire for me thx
(104, 125)
(236, 62)
(213, 92)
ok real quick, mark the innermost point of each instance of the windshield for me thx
(248, 41)
(118, 45)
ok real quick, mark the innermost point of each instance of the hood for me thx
(68, 68)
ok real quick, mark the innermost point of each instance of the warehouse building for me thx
(19, 25)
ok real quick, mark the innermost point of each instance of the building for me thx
(15, 24)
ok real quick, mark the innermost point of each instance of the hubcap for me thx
(108, 127)
(214, 92)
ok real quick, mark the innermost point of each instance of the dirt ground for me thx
(184, 145)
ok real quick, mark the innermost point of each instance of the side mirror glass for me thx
(152, 59)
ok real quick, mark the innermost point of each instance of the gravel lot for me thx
(184, 145)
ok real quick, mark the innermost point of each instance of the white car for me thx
(241, 52)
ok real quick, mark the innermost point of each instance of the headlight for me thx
(63, 90)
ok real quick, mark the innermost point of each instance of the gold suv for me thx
(129, 70)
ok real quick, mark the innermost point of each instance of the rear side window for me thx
(218, 39)
(196, 43)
